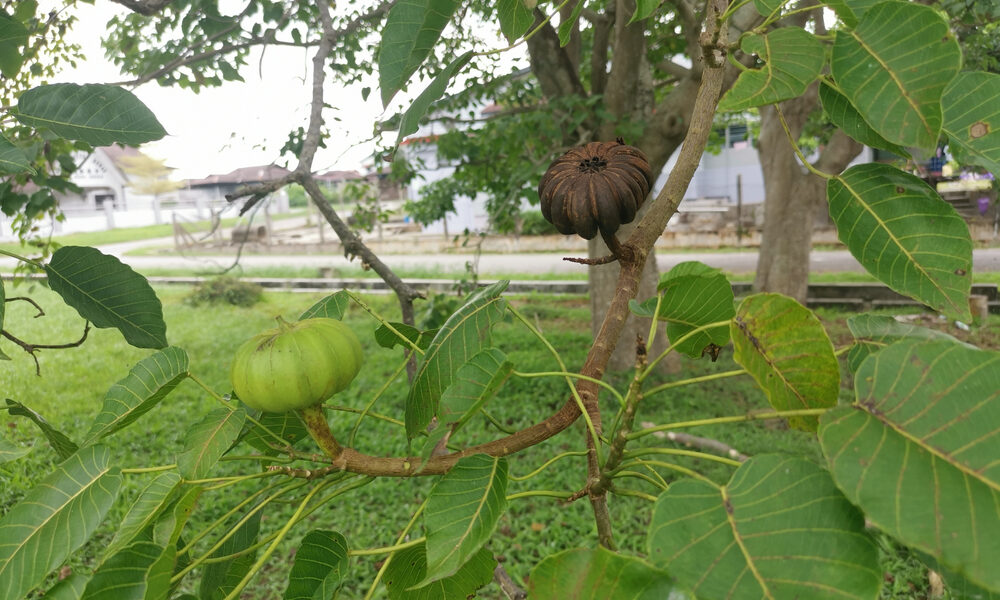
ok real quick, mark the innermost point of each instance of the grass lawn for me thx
(70, 391)
(131, 234)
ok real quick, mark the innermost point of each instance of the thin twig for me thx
(41, 313)
(31, 348)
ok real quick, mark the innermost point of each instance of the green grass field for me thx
(131, 234)
(70, 389)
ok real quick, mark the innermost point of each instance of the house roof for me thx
(117, 152)
(338, 176)
(243, 175)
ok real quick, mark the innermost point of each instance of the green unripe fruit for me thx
(296, 365)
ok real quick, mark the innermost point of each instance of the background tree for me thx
(150, 176)
(919, 417)
(794, 196)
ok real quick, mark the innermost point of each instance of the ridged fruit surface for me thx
(596, 187)
(296, 365)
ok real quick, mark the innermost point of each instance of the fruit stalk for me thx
(319, 429)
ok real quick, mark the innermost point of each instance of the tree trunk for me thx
(792, 196)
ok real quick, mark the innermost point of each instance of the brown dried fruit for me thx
(596, 187)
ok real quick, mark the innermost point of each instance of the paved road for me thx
(985, 260)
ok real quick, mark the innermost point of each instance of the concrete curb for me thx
(857, 296)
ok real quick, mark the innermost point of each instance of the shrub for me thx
(533, 223)
(225, 290)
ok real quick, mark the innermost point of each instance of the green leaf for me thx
(12, 159)
(792, 59)
(850, 11)
(13, 35)
(207, 441)
(462, 336)
(319, 568)
(387, 338)
(515, 19)
(70, 588)
(3, 303)
(408, 566)
(695, 294)
(843, 114)
(972, 118)
(55, 518)
(141, 571)
(99, 115)
(410, 121)
(893, 68)
(171, 522)
(958, 586)
(596, 574)
(566, 26)
(785, 348)
(146, 509)
(333, 306)
(408, 36)
(146, 384)
(475, 384)
(643, 10)
(10, 452)
(288, 426)
(220, 578)
(918, 449)
(779, 529)
(108, 293)
(462, 512)
(904, 234)
(767, 7)
(63, 446)
(874, 332)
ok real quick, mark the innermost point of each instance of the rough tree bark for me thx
(792, 195)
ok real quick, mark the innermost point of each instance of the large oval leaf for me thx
(222, 577)
(476, 382)
(792, 59)
(70, 588)
(894, 66)
(319, 568)
(785, 348)
(148, 382)
(515, 19)
(13, 35)
(843, 114)
(55, 518)
(12, 159)
(780, 529)
(9, 452)
(694, 295)
(585, 574)
(904, 234)
(461, 337)
(918, 451)
(972, 118)
(874, 332)
(139, 572)
(146, 509)
(108, 293)
(410, 32)
(208, 440)
(463, 509)
(59, 441)
(100, 115)
(409, 566)
(410, 121)
(332, 307)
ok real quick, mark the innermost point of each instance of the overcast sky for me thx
(237, 124)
